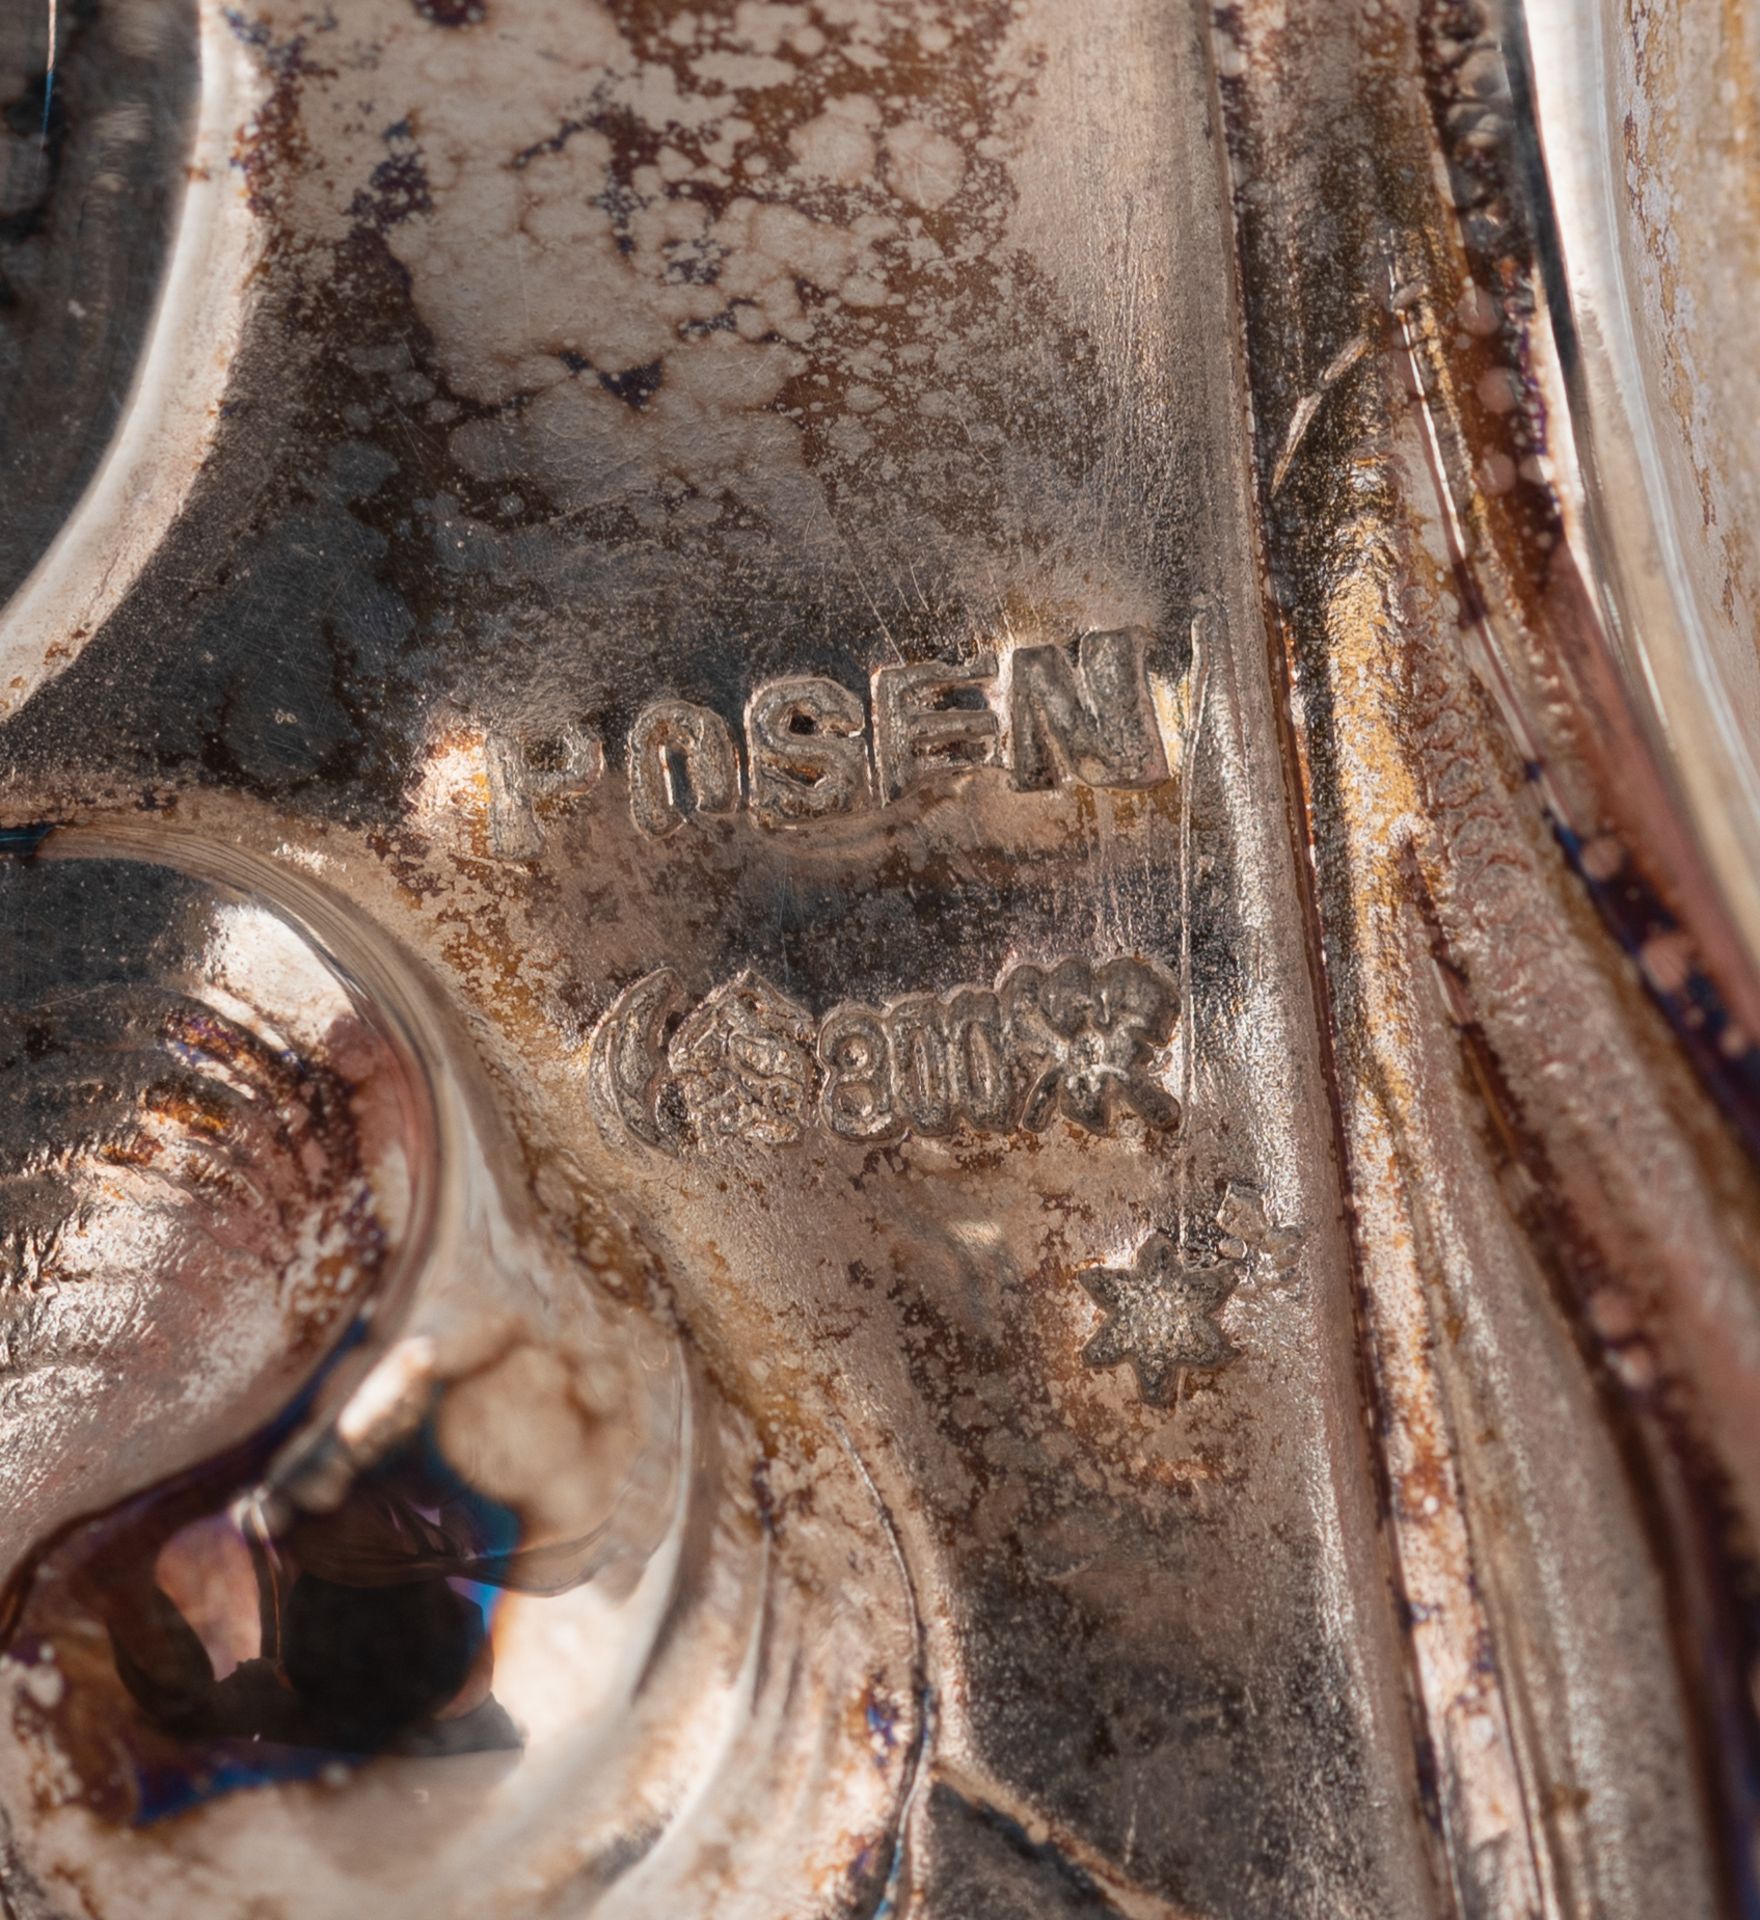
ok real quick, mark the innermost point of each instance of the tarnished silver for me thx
(877, 939)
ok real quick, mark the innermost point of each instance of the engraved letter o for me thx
(670, 735)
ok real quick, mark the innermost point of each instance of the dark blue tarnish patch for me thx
(24, 843)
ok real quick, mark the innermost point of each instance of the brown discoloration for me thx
(567, 416)
(1414, 645)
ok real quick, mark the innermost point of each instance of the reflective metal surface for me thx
(877, 939)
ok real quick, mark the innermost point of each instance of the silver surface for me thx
(879, 838)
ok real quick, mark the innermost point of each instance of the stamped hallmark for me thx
(1079, 1040)
(743, 1063)
(1160, 1315)
(1162, 1308)
(1079, 713)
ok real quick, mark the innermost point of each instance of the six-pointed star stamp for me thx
(1160, 1315)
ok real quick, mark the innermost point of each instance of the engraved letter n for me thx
(1091, 720)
